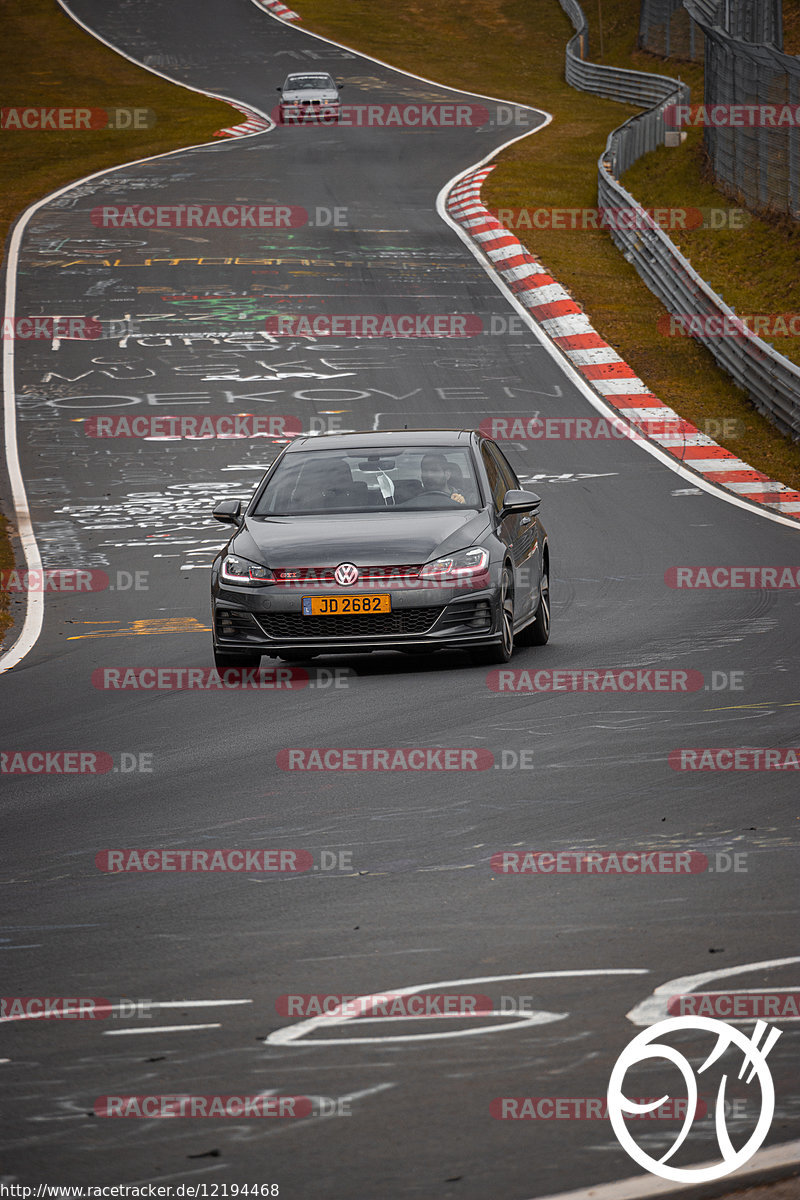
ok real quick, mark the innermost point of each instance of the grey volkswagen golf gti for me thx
(412, 541)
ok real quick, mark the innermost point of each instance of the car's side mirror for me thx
(340, 86)
(278, 89)
(228, 511)
(517, 500)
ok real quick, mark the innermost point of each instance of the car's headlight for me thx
(240, 570)
(461, 565)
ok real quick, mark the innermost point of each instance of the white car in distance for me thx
(309, 96)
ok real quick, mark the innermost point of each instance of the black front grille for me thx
(402, 621)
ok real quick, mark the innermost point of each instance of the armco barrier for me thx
(770, 380)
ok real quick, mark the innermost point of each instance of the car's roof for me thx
(309, 75)
(388, 438)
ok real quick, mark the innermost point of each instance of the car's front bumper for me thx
(296, 114)
(270, 620)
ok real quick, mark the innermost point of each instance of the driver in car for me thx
(434, 471)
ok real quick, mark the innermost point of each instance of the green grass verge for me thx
(514, 49)
(46, 60)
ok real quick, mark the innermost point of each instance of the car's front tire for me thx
(538, 632)
(502, 652)
(224, 659)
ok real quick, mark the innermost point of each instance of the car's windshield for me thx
(370, 480)
(296, 83)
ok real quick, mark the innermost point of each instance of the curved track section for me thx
(407, 890)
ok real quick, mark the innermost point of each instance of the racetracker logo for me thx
(200, 216)
(575, 862)
(723, 116)
(25, 329)
(583, 1108)
(53, 1008)
(616, 679)
(56, 579)
(55, 762)
(557, 429)
(736, 758)
(781, 1004)
(392, 116)
(420, 758)
(737, 578)
(372, 325)
(73, 119)
(241, 425)
(235, 862)
(148, 1107)
(753, 325)
(200, 679)
(617, 218)
(387, 1004)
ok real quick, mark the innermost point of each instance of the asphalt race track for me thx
(403, 892)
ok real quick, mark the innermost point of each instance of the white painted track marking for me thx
(293, 1034)
(34, 608)
(654, 1008)
(156, 1029)
(640, 1187)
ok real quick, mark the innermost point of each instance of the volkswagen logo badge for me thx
(346, 574)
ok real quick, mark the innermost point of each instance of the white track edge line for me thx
(34, 608)
(594, 398)
(639, 1187)
(409, 74)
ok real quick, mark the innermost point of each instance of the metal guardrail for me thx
(771, 381)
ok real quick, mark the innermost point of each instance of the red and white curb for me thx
(570, 330)
(278, 9)
(253, 124)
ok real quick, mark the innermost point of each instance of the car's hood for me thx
(377, 540)
(309, 94)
